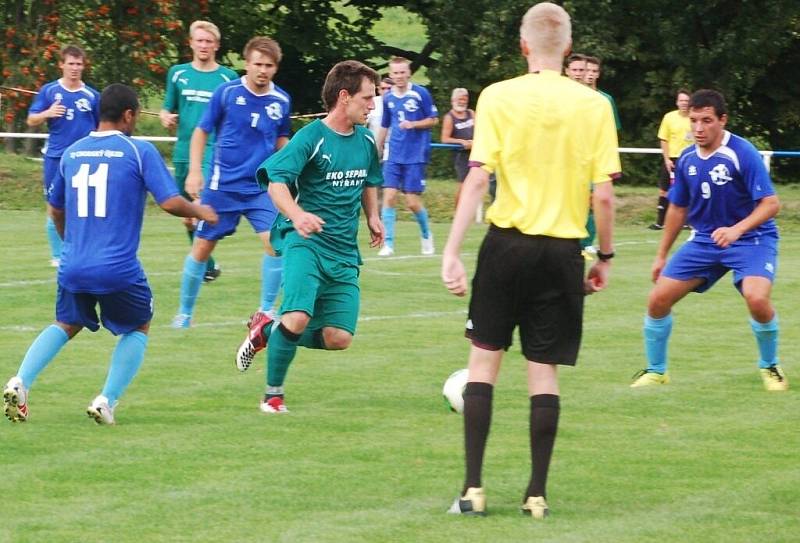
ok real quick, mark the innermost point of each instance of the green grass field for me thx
(369, 453)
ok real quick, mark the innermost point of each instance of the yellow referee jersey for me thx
(676, 130)
(547, 138)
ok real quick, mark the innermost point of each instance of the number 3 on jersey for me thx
(98, 180)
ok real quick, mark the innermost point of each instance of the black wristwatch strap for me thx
(605, 256)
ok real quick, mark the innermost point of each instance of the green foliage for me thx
(649, 49)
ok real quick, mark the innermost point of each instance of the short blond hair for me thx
(209, 27)
(547, 29)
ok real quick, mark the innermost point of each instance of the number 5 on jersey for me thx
(98, 180)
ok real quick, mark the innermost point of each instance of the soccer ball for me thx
(453, 390)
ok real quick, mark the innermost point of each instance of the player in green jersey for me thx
(189, 89)
(332, 168)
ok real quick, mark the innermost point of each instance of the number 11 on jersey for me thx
(97, 180)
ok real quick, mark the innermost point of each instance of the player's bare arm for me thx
(305, 223)
(194, 180)
(603, 206)
(667, 160)
(55, 110)
(766, 209)
(422, 124)
(673, 223)
(369, 203)
(181, 207)
(168, 119)
(453, 274)
(58, 219)
(381, 140)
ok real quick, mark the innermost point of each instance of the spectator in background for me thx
(457, 127)
(374, 117)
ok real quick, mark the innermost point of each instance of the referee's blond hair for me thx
(547, 30)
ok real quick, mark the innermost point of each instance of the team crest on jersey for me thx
(240, 101)
(59, 96)
(411, 105)
(693, 170)
(720, 174)
(183, 80)
(274, 111)
(83, 104)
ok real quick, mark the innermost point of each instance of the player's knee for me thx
(337, 339)
(759, 305)
(658, 304)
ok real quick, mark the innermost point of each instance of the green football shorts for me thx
(325, 289)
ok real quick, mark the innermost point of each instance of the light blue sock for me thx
(656, 336)
(125, 362)
(193, 272)
(43, 349)
(422, 219)
(271, 274)
(767, 338)
(388, 218)
(53, 238)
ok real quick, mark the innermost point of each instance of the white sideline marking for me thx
(177, 272)
(243, 323)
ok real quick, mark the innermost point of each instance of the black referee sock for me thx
(477, 419)
(663, 204)
(543, 426)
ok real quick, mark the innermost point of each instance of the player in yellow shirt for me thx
(545, 136)
(675, 134)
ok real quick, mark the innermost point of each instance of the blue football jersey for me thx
(247, 127)
(723, 188)
(408, 146)
(81, 117)
(102, 184)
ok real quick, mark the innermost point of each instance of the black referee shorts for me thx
(531, 282)
(664, 177)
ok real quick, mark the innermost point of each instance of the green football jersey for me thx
(188, 92)
(328, 172)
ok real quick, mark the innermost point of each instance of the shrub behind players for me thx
(250, 117)
(332, 167)
(97, 198)
(70, 109)
(723, 190)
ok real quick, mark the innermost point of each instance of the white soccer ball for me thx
(453, 390)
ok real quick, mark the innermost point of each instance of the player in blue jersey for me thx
(723, 190)
(70, 109)
(251, 119)
(409, 111)
(97, 198)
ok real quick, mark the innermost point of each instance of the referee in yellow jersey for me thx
(544, 136)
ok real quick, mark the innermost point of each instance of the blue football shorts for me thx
(407, 178)
(121, 312)
(257, 208)
(750, 258)
(49, 172)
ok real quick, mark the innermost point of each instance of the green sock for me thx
(312, 339)
(281, 352)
